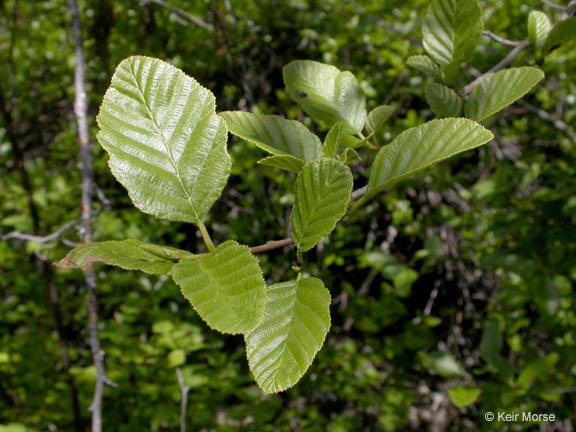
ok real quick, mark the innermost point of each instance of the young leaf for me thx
(275, 134)
(538, 28)
(451, 30)
(292, 331)
(326, 94)
(285, 162)
(425, 64)
(377, 118)
(420, 147)
(444, 101)
(166, 144)
(500, 90)
(562, 32)
(323, 191)
(226, 287)
(349, 156)
(332, 141)
(126, 254)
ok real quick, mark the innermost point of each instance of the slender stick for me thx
(273, 244)
(181, 12)
(503, 64)
(81, 112)
(184, 389)
(499, 39)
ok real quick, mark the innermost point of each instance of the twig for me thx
(81, 112)
(48, 238)
(501, 65)
(552, 5)
(184, 389)
(569, 10)
(359, 193)
(499, 39)
(559, 124)
(187, 15)
(274, 244)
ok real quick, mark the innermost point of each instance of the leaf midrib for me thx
(164, 142)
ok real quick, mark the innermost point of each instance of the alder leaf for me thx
(285, 162)
(328, 95)
(538, 29)
(451, 30)
(293, 329)
(425, 64)
(166, 144)
(499, 90)
(377, 118)
(444, 101)
(420, 147)
(562, 32)
(275, 134)
(126, 254)
(323, 191)
(226, 287)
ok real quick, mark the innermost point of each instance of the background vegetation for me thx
(453, 293)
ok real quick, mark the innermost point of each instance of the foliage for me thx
(456, 280)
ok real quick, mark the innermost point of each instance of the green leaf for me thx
(126, 254)
(425, 64)
(562, 32)
(499, 90)
(539, 368)
(285, 162)
(326, 94)
(292, 331)
(417, 148)
(491, 344)
(538, 28)
(377, 118)
(323, 191)
(463, 396)
(274, 134)
(349, 156)
(332, 141)
(166, 144)
(451, 30)
(444, 101)
(443, 364)
(226, 287)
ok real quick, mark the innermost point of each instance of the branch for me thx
(81, 112)
(552, 5)
(274, 244)
(182, 13)
(184, 389)
(569, 10)
(503, 64)
(559, 124)
(499, 39)
(48, 238)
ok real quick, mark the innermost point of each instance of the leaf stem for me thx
(356, 205)
(205, 236)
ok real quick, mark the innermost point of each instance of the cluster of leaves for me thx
(509, 203)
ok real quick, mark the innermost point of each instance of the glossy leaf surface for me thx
(452, 29)
(538, 28)
(420, 147)
(226, 287)
(285, 162)
(499, 90)
(563, 31)
(378, 116)
(126, 254)
(166, 144)
(275, 134)
(323, 191)
(328, 95)
(292, 331)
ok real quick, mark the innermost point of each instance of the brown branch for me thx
(499, 39)
(505, 62)
(181, 13)
(81, 112)
(184, 389)
(274, 244)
